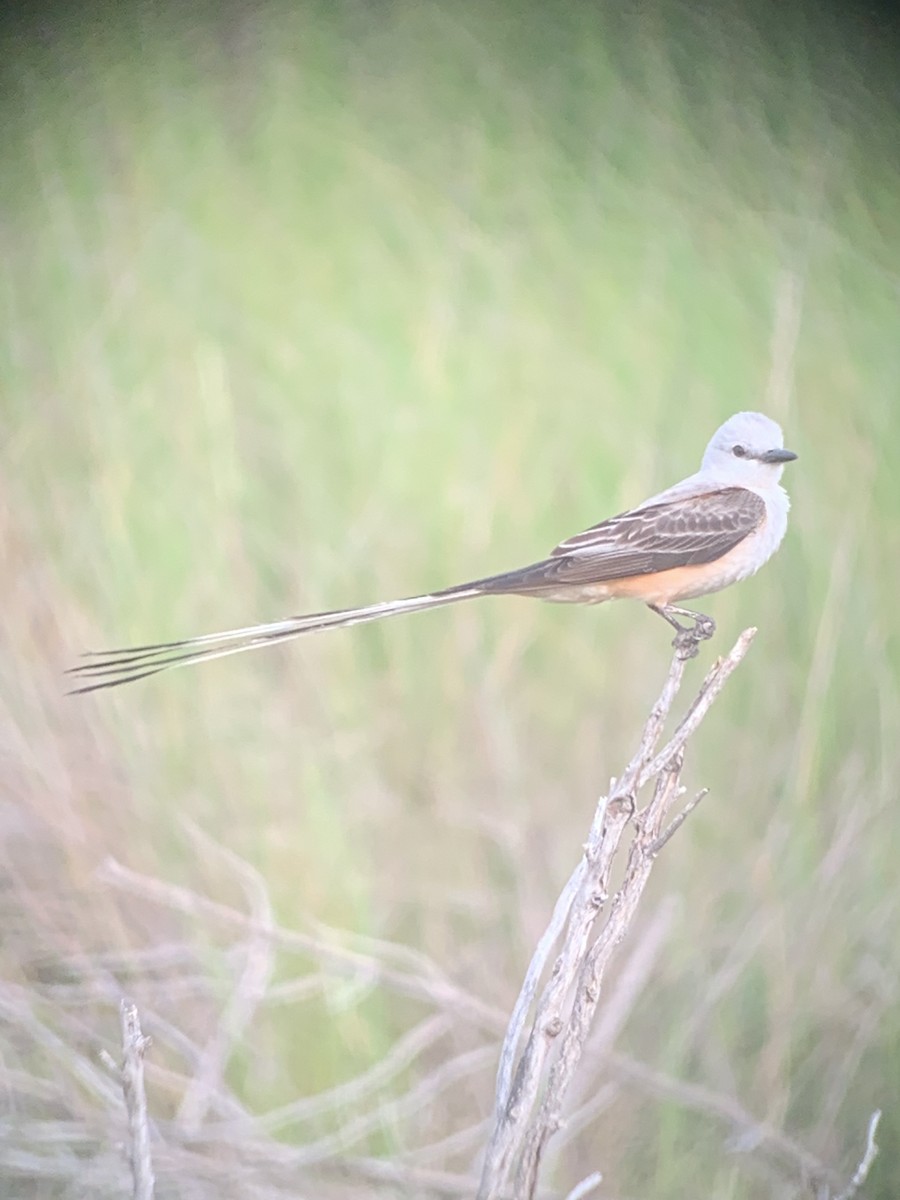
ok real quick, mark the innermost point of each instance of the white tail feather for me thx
(111, 668)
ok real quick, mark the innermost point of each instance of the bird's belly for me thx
(685, 583)
(664, 587)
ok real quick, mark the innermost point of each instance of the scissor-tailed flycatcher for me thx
(711, 530)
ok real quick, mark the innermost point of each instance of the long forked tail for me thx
(109, 668)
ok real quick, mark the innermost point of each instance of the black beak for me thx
(777, 456)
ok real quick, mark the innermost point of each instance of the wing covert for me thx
(656, 537)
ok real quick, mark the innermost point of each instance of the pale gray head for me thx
(748, 449)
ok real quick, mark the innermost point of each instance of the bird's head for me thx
(749, 449)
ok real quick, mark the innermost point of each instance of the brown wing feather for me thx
(657, 537)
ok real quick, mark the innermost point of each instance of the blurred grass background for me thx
(311, 305)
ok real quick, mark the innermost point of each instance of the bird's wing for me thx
(659, 536)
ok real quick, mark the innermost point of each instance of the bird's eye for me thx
(738, 451)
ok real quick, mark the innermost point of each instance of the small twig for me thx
(677, 822)
(134, 1046)
(865, 1163)
(587, 1185)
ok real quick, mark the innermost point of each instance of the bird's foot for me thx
(687, 637)
(687, 642)
(704, 626)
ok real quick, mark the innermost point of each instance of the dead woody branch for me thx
(134, 1046)
(544, 1041)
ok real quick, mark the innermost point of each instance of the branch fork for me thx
(542, 1047)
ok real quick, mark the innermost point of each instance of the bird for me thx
(714, 528)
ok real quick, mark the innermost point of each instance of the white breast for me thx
(770, 537)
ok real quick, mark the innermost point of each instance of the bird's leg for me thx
(688, 637)
(704, 626)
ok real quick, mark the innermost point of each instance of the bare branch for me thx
(587, 989)
(565, 1009)
(134, 1046)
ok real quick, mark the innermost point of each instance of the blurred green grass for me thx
(312, 305)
